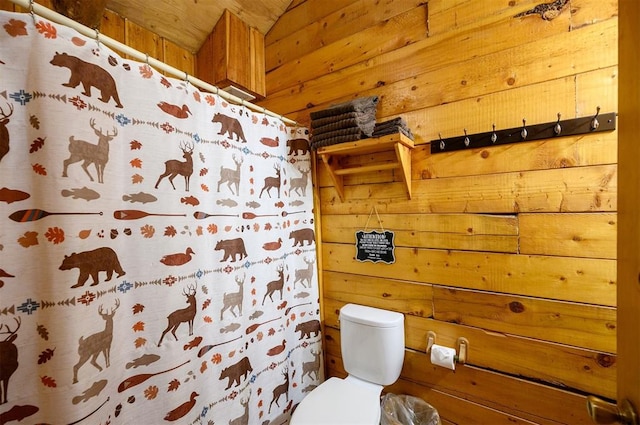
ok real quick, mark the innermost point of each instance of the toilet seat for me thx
(348, 401)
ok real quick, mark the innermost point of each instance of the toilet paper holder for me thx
(462, 347)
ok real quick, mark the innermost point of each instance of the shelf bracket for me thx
(397, 142)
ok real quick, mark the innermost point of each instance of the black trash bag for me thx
(407, 410)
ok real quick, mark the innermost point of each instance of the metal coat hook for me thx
(527, 132)
(594, 122)
(442, 145)
(558, 128)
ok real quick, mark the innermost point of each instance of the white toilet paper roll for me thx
(443, 356)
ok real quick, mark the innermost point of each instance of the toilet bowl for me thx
(372, 344)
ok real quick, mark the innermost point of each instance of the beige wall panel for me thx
(443, 231)
(561, 278)
(388, 294)
(580, 189)
(574, 235)
(586, 326)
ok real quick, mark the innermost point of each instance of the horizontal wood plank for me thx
(579, 189)
(591, 47)
(592, 327)
(476, 232)
(577, 235)
(353, 18)
(388, 294)
(591, 281)
(496, 390)
(556, 364)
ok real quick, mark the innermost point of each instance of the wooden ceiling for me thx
(187, 23)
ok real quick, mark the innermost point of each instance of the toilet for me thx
(372, 344)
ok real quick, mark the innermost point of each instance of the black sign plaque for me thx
(375, 246)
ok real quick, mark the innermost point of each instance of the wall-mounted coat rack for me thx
(549, 130)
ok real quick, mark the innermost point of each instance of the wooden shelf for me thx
(401, 144)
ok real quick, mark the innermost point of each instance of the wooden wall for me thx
(123, 30)
(512, 247)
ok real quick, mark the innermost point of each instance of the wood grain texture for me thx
(388, 294)
(590, 281)
(537, 297)
(555, 190)
(494, 389)
(571, 235)
(592, 327)
(188, 24)
(629, 216)
(556, 364)
(442, 231)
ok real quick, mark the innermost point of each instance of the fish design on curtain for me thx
(157, 245)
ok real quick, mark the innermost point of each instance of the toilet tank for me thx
(372, 343)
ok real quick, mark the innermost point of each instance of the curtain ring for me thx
(494, 136)
(97, 37)
(186, 77)
(442, 144)
(524, 131)
(146, 59)
(31, 12)
(467, 142)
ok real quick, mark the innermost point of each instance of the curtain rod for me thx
(136, 54)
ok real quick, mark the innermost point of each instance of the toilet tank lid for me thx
(371, 316)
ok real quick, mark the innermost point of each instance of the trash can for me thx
(407, 410)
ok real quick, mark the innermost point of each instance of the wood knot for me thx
(605, 360)
(516, 307)
(385, 295)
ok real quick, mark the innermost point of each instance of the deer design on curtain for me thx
(127, 299)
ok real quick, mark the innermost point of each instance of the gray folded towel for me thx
(393, 130)
(335, 140)
(361, 104)
(395, 122)
(355, 131)
(345, 123)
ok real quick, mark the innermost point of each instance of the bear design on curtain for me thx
(157, 246)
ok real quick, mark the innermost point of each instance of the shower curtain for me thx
(157, 245)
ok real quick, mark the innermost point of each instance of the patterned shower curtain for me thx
(157, 246)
